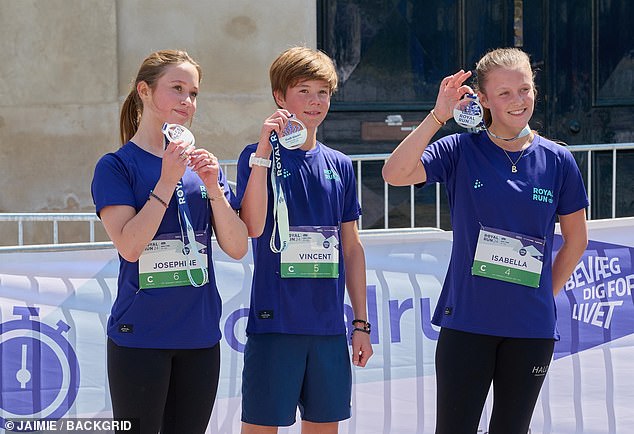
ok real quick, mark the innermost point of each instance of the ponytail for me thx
(130, 116)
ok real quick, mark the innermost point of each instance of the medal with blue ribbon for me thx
(293, 136)
(280, 209)
(468, 113)
(172, 133)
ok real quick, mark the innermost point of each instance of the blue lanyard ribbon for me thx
(188, 237)
(280, 209)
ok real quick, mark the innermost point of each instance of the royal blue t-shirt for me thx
(320, 189)
(175, 317)
(483, 191)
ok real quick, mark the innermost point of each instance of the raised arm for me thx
(404, 167)
(255, 199)
(231, 233)
(130, 231)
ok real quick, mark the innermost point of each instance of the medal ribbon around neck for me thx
(174, 132)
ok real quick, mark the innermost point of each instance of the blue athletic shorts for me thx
(282, 372)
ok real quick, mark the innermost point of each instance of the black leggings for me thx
(466, 363)
(168, 390)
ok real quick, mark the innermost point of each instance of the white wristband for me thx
(259, 161)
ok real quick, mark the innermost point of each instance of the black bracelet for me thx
(366, 326)
(161, 201)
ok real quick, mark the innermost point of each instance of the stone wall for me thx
(68, 64)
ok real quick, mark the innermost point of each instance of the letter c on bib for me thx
(291, 269)
(483, 267)
(150, 279)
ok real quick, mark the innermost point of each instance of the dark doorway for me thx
(392, 54)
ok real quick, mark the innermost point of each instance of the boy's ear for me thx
(280, 100)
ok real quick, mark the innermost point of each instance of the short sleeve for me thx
(244, 171)
(111, 183)
(439, 159)
(352, 209)
(572, 196)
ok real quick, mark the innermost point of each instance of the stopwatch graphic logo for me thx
(40, 372)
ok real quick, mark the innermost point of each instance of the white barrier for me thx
(54, 308)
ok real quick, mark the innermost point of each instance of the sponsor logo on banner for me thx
(37, 361)
(595, 305)
(58, 303)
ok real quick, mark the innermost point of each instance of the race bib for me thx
(165, 262)
(312, 252)
(508, 256)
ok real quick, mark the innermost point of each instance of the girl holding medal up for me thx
(160, 198)
(506, 187)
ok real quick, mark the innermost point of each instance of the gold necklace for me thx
(514, 164)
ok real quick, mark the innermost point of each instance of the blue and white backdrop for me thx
(54, 308)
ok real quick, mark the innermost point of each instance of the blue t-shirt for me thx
(483, 191)
(320, 189)
(175, 317)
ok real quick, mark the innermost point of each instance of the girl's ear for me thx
(280, 99)
(143, 89)
(483, 100)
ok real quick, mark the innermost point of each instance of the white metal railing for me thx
(54, 217)
(229, 166)
(589, 149)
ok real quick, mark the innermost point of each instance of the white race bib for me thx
(165, 262)
(312, 252)
(509, 256)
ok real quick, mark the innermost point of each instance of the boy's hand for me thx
(361, 349)
(275, 122)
